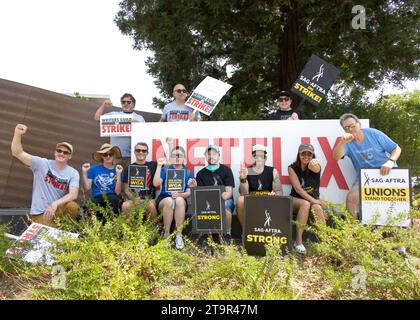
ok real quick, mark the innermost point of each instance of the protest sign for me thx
(137, 175)
(115, 125)
(175, 180)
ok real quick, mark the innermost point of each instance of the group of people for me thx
(56, 184)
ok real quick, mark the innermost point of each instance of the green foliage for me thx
(77, 95)
(260, 47)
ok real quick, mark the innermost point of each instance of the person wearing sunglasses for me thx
(366, 148)
(177, 110)
(104, 179)
(128, 103)
(172, 204)
(141, 150)
(305, 176)
(257, 180)
(55, 183)
(285, 111)
(217, 174)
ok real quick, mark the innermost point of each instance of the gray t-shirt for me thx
(124, 143)
(177, 112)
(50, 184)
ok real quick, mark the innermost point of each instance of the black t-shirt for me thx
(260, 183)
(221, 177)
(150, 190)
(284, 115)
(309, 181)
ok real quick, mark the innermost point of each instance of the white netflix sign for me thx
(236, 139)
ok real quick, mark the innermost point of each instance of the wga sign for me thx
(359, 20)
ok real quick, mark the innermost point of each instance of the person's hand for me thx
(50, 212)
(294, 116)
(322, 203)
(161, 162)
(170, 141)
(175, 195)
(243, 171)
(191, 116)
(314, 163)
(386, 167)
(348, 137)
(225, 196)
(85, 167)
(192, 183)
(118, 169)
(272, 193)
(21, 129)
(107, 103)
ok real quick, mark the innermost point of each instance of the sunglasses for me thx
(126, 102)
(177, 155)
(181, 91)
(107, 155)
(62, 151)
(352, 126)
(141, 150)
(283, 99)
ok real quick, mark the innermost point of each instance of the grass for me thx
(114, 260)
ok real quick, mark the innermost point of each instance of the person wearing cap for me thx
(305, 176)
(217, 174)
(176, 110)
(259, 179)
(55, 183)
(172, 204)
(128, 103)
(104, 179)
(141, 150)
(285, 111)
(366, 148)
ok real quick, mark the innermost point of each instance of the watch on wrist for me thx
(392, 159)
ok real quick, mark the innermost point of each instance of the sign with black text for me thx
(137, 177)
(115, 125)
(385, 197)
(175, 180)
(267, 220)
(209, 210)
(315, 80)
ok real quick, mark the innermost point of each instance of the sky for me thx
(75, 46)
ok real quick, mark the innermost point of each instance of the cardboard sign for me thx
(137, 177)
(267, 220)
(38, 249)
(115, 125)
(175, 180)
(315, 80)
(209, 210)
(387, 196)
(207, 95)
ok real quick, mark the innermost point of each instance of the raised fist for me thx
(107, 103)
(118, 169)
(161, 162)
(21, 129)
(85, 167)
(348, 137)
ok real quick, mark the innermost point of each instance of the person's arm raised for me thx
(17, 149)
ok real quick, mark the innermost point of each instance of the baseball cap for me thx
(259, 147)
(65, 144)
(212, 147)
(306, 147)
(285, 93)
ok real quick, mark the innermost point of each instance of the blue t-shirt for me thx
(373, 152)
(103, 180)
(187, 176)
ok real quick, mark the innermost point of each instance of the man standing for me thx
(285, 111)
(177, 110)
(367, 148)
(124, 143)
(55, 184)
(216, 174)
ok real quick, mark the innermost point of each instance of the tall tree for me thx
(261, 46)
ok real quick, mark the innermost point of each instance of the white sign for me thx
(115, 125)
(386, 196)
(207, 95)
(40, 239)
(236, 139)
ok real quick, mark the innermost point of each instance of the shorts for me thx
(230, 205)
(161, 197)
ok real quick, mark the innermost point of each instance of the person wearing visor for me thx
(172, 204)
(305, 176)
(104, 179)
(128, 103)
(285, 111)
(55, 183)
(176, 110)
(217, 174)
(258, 179)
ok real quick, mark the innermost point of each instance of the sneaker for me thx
(300, 248)
(228, 239)
(179, 242)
